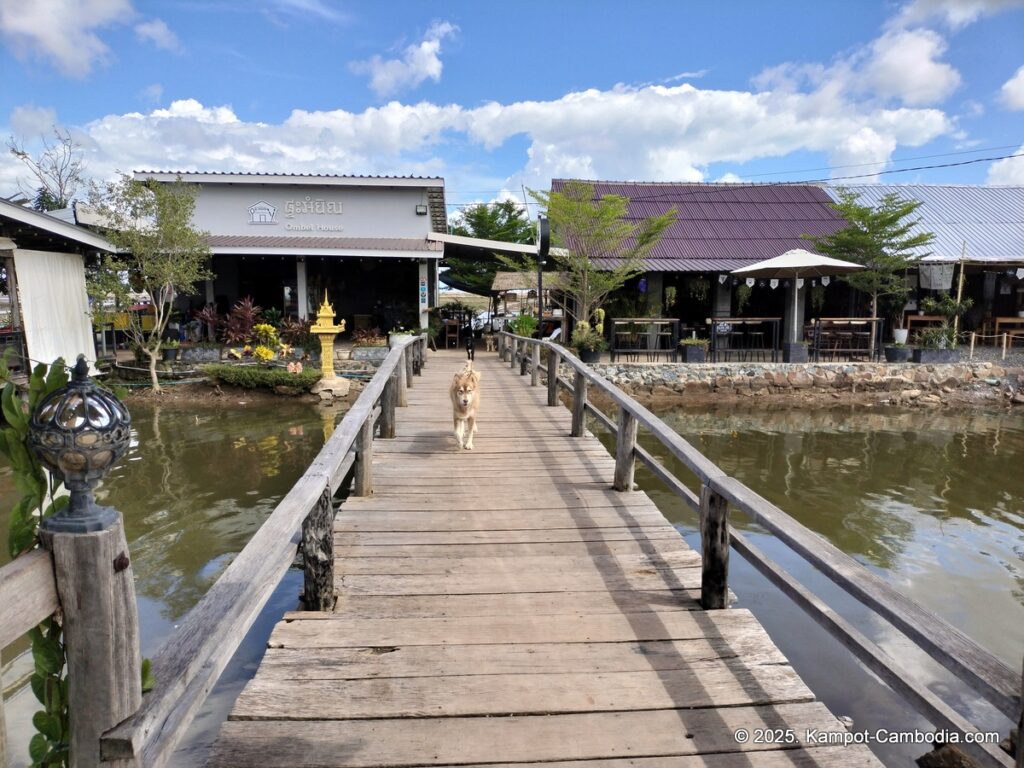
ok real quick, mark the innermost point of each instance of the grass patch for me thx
(261, 377)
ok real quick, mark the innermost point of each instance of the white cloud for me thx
(418, 63)
(29, 122)
(152, 93)
(62, 31)
(954, 13)
(1012, 92)
(1008, 171)
(158, 33)
(306, 9)
(904, 65)
(695, 75)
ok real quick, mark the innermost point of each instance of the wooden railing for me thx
(192, 659)
(993, 680)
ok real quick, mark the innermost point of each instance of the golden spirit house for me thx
(284, 239)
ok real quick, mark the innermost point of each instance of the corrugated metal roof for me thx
(317, 243)
(272, 174)
(989, 219)
(721, 227)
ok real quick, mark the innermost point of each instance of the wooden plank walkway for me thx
(505, 607)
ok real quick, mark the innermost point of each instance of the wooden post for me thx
(403, 383)
(579, 405)
(388, 402)
(535, 362)
(501, 347)
(364, 458)
(1004, 345)
(318, 555)
(1020, 725)
(407, 359)
(515, 348)
(625, 457)
(3, 722)
(973, 334)
(101, 634)
(524, 360)
(714, 543)
(554, 360)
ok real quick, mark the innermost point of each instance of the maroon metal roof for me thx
(317, 243)
(720, 227)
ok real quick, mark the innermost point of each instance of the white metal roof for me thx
(53, 225)
(302, 179)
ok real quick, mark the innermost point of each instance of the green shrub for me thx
(258, 376)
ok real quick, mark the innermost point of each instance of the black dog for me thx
(470, 346)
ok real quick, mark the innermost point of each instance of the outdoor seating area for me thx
(843, 338)
(744, 339)
(650, 337)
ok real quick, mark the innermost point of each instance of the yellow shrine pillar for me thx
(326, 330)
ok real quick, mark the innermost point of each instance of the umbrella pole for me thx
(794, 336)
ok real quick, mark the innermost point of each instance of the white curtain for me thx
(936, 277)
(54, 306)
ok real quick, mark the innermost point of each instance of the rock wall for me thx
(907, 380)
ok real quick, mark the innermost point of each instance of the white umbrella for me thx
(797, 264)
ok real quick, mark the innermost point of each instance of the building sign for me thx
(309, 205)
(424, 304)
(262, 213)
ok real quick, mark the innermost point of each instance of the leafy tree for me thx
(159, 252)
(506, 221)
(595, 246)
(58, 172)
(880, 239)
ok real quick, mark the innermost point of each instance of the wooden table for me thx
(1014, 321)
(923, 320)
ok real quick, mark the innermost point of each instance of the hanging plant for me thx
(817, 297)
(670, 298)
(743, 292)
(699, 287)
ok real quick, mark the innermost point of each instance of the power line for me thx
(711, 187)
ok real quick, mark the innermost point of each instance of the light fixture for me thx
(79, 432)
(421, 210)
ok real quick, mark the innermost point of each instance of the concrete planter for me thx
(394, 341)
(590, 356)
(936, 356)
(693, 353)
(200, 354)
(898, 354)
(371, 355)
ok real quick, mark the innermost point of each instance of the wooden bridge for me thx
(520, 604)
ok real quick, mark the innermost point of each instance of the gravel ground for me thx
(1014, 356)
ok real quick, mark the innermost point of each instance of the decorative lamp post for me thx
(543, 247)
(79, 432)
(326, 330)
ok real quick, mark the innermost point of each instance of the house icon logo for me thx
(262, 213)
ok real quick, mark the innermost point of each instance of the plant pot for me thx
(898, 354)
(170, 354)
(899, 335)
(205, 354)
(794, 352)
(936, 356)
(694, 353)
(590, 356)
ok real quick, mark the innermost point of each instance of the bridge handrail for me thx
(985, 673)
(192, 659)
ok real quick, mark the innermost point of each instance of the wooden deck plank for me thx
(505, 607)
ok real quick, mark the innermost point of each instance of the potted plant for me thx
(523, 325)
(936, 345)
(898, 352)
(743, 292)
(169, 348)
(589, 343)
(694, 350)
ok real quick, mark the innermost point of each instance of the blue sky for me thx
(497, 96)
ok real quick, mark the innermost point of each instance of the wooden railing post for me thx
(363, 483)
(318, 555)
(524, 360)
(535, 362)
(1020, 723)
(514, 348)
(501, 347)
(554, 360)
(579, 405)
(407, 354)
(3, 722)
(388, 401)
(625, 456)
(714, 543)
(403, 382)
(101, 634)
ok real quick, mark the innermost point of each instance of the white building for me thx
(284, 239)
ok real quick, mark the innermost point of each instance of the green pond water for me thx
(932, 501)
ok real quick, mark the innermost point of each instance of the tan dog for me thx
(490, 342)
(465, 392)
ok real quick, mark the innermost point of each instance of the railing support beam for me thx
(363, 482)
(625, 456)
(714, 544)
(388, 402)
(101, 634)
(407, 361)
(579, 405)
(554, 360)
(514, 349)
(403, 382)
(535, 362)
(318, 555)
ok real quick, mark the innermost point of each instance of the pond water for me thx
(194, 487)
(932, 501)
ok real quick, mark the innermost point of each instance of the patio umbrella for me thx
(796, 264)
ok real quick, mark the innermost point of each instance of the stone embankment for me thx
(895, 383)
